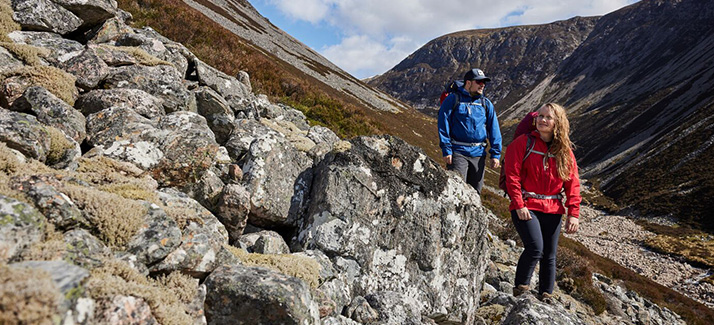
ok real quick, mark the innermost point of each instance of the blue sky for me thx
(369, 37)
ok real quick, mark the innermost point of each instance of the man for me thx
(466, 120)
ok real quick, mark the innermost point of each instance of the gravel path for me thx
(620, 239)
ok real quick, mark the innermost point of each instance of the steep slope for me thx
(639, 93)
(241, 18)
(516, 58)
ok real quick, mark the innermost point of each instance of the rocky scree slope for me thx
(139, 184)
(638, 87)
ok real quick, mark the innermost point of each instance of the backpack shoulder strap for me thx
(530, 144)
(457, 101)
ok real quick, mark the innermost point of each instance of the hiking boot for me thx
(547, 298)
(520, 289)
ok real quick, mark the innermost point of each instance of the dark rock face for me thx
(253, 295)
(516, 59)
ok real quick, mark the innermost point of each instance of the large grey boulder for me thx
(108, 32)
(159, 46)
(245, 131)
(52, 111)
(278, 177)
(202, 236)
(83, 249)
(162, 81)
(265, 242)
(92, 12)
(141, 102)
(528, 310)
(88, 68)
(60, 49)
(53, 204)
(25, 134)
(237, 94)
(20, 226)
(233, 208)
(394, 221)
(44, 15)
(218, 114)
(156, 238)
(256, 295)
(73, 305)
(189, 148)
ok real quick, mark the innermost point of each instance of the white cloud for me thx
(377, 34)
(308, 10)
(363, 56)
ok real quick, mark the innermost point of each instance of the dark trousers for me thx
(540, 240)
(471, 169)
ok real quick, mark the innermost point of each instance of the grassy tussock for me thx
(59, 144)
(303, 268)
(166, 296)
(696, 249)
(27, 296)
(115, 218)
(58, 82)
(51, 248)
(182, 216)
(7, 25)
(29, 54)
(140, 55)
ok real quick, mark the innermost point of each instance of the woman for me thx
(537, 169)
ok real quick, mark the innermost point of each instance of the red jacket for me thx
(531, 175)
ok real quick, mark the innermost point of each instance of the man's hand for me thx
(447, 159)
(495, 163)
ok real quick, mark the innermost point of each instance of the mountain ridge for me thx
(635, 75)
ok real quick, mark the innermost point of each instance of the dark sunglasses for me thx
(480, 82)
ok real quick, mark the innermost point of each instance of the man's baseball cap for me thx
(476, 74)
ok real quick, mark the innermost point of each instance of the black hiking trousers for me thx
(540, 240)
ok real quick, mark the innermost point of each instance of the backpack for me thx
(526, 126)
(452, 87)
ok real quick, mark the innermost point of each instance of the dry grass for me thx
(7, 25)
(58, 82)
(115, 218)
(51, 248)
(140, 55)
(27, 296)
(166, 296)
(300, 267)
(59, 144)
(29, 54)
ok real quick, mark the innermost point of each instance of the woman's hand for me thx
(524, 214)
(571, 224)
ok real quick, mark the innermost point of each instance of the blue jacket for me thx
(468, 122)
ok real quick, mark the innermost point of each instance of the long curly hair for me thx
(561, 146)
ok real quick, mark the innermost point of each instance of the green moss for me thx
(300, 267)
(58, 82)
